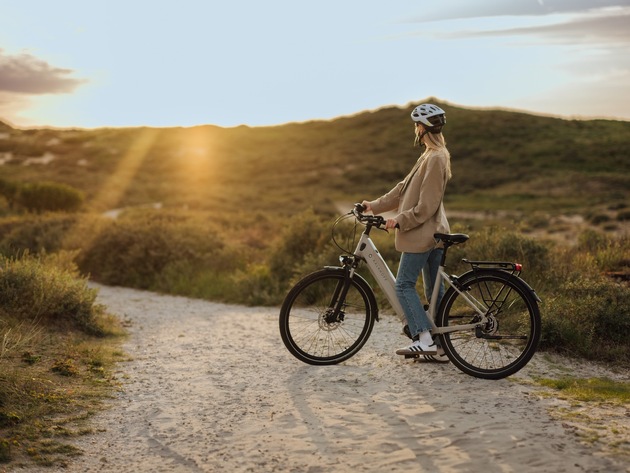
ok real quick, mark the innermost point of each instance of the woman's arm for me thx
(429, 188)
(386, 202)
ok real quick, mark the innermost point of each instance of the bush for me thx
(156, 251)
(9, 190)
(623, 216)
(49, 196)
(585, 311)
(257, 286)
(35, 234)
(37, 289)
(598, 219)
(304, 246)
(305, 233)
(603, 252)
(588, 318)
(499, 244)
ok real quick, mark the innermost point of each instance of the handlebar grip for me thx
(359, 207)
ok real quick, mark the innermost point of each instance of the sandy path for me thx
(211, 388)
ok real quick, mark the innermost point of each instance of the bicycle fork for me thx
(338, 299)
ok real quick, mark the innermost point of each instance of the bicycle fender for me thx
(532, 290)
(361, 281)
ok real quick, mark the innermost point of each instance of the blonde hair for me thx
(435, 141)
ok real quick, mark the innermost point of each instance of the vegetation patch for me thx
(595, 410)
(37, 290)
(57, 350)
(590, 389)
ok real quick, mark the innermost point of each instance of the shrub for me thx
(304, 234)
(304, 246)
(150, 251)
(624, 215)
(49, 196)
(604, 253)
(9, 190)
(585, 312)
(499, 244)
(35, 234)
(599, 218)
(5, 450)
(257, 286)
(36, 289)
(588, 318)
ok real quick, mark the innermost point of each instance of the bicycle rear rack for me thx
(514, 268)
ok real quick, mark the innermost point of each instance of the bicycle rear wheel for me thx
(505, 343)
(310, 327)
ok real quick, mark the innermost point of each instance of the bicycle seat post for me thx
(443, 260)
(449, 239)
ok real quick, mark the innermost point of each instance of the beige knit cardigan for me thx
(418, 200)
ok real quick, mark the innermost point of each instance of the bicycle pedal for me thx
(412, 356)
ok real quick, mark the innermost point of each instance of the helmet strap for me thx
(418, 141)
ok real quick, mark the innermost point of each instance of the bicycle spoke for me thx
(318, 327)
(505, 339)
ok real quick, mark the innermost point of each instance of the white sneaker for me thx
(418, 348)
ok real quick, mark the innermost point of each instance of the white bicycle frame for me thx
(367, 251)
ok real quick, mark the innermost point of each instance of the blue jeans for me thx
(411, 264)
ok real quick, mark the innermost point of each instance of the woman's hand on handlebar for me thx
(391, 223)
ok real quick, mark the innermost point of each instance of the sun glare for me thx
(113, 189)
(195, 163)
(110, 194)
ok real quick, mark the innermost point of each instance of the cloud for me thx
(463, 9)
(606, 28)
(26, 74)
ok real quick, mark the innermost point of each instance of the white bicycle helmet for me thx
(432, 116)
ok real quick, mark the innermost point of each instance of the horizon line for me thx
(330, 119)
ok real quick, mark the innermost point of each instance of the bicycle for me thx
(487, 324)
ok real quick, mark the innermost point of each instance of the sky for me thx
(119, 63)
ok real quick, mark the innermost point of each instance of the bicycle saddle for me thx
(452, 238)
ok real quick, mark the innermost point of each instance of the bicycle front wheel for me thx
(320, 326)
(507, 341)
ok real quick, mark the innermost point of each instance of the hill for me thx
(502, 162)
(224, 194)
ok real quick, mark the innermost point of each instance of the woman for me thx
(420, 213)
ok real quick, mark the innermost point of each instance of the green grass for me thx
(595, 410)
(57, 350)
(590, 389)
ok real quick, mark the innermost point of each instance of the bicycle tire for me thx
(305, 325)
(507, 342)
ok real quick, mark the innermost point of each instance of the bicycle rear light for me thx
(518, 267)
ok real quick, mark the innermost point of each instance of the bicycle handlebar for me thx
(373, 220)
